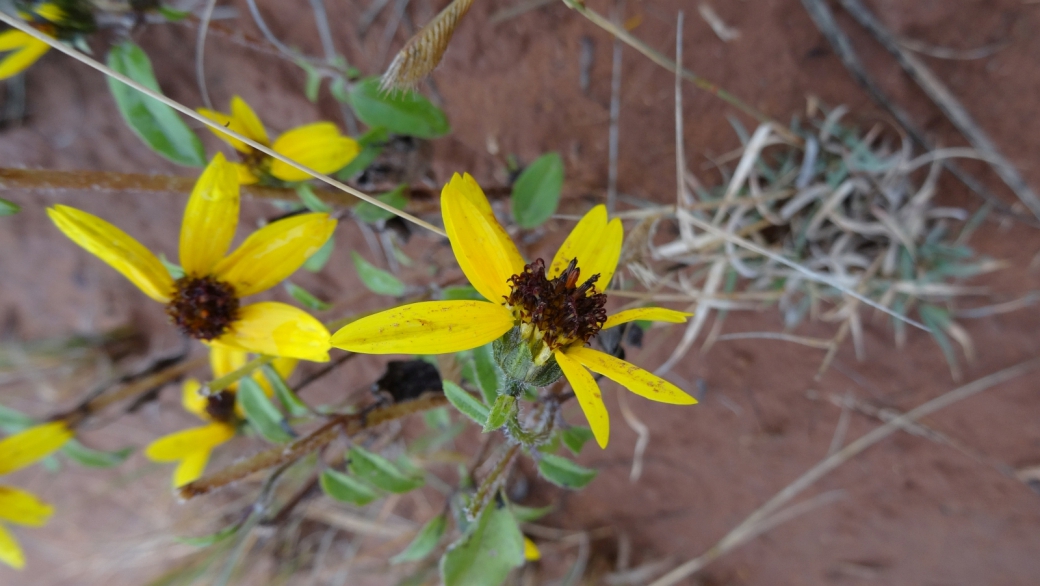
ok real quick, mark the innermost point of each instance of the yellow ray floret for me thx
(10, 552)
(429, 327)
(32, 445)
(23, 508)
(191, 448)
(210, 218)
(25, 50)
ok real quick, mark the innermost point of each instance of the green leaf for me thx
(173, 268)
(466, 403)
(437, 419)
(311, 200)
(376, 279)
(372, 143)
(487, 553)
(261, 412)
(317, 261)
(346, 488)
(172, 14)
(12, 421)
(575, 437)
(306, 298)
(211, 539)
(92, 458)
(371, 214)
(536, 192)
(292, 403)
(425, 541)
(563, 472)
(400, 112)
(312, 85)
(463, 292)
(157, 124)
(9, 208)
(381, 472)
(500, 411)
(529, 514)
(489, 377)
(338, 89)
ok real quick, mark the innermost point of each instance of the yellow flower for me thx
(25, 49)
(549, 311)
(531, 551)
(204, 304)
(18, 506)
(191, 448)
(318, 146)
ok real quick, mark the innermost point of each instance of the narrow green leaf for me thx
(347, 489)
(92, 458)
(437, 419)
(312, 85)
(317, 261)
(311, 200)
(211, 539)
(563, 472)
(487, 553)
(172, 14)
(575, 437)
(338, 89)
(261, 412)
(400, 112)
(464, 292)
(425, 541)
(466, 403)
(306, 298)
(381, 472)
(286, 396)
(173, 268)
(500, 412)
(12, 421)
(371, 214)
(372, 143)
(489, 377)
(157, 124)
(376, 279)
(536, 193)
(9, 208)
(529, 514)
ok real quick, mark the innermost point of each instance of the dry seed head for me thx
(423, 52)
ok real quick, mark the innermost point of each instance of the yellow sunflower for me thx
(19, 506)
(539, 317)
(191, 448)
(204, 303)
(319, 146)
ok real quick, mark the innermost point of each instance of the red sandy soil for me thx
(913, 512)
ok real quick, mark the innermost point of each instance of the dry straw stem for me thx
(769, 512)
(423, 52)
(54, 43)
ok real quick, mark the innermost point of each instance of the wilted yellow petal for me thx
(10, 552)
(21, 59)
(22, 507)
(429, 327)
(247, 123)
(597, 246)
(190, 468)
(27, 447)
(116, 248)
(531, 552)
(318, 146)
(211, 217)
(12, 39)
(277, 329)
(274, 252)
(646, 314)
(589, 397)
(630, 376)
(482, 248)
(181, 444)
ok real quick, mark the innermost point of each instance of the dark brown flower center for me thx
(559, 310)
(221, 406)
(203, 307)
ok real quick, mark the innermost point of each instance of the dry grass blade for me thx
(423, 52)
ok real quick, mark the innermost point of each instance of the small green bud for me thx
(516, 357)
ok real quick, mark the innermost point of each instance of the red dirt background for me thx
(914, 512)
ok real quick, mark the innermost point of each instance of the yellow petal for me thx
(429, 327)
(630, 376)
(192, 400)
(531, 552)
(10, 552)
(319, 146)
(211, 217)
(597, 246)
(181, 444)
(21, 59)
(190, 468)
(482, 247)
(27, 447)
(12, 39)
(224, 360)
(277, 329)
(245, 174)
(647, 314)
(22, 507)
(116, 248)
(274, 252)
(247, 120)
(589, 397)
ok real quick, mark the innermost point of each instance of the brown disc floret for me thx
(203, 307)
(561, 309)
